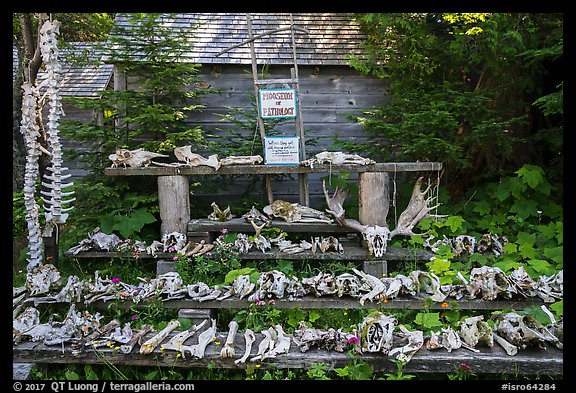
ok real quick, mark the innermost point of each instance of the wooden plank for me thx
(403, 302)
(494, 360)
(274, 170)
(241, 225)
(350, 254)
(173, 203)
(373, 198)
(418, 302)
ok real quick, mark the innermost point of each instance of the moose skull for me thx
(377, 239)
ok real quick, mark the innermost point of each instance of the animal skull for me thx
(133, 158)
(186, 155)
(490, 282)
(474, 330)
(377, 239)
(219, 214)
(376, 332)
(294, 212)
(524, 330)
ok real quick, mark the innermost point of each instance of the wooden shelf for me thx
(273, 169)
(494, 360)
(418, 302)
(350, 254)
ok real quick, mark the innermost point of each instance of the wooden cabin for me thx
(329, 89)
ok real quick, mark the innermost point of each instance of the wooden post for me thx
(174, 203)
(267, 181)
(373, 198)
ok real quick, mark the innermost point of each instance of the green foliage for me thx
(400, 371)
(126, 226)
(461, 84)
(358, 370)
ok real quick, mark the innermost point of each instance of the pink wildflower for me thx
(353, 340)
(116, 280)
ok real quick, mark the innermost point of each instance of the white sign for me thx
(277, 103)
(281, 150)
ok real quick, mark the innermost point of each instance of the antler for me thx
(335, 207)
(417, 209)
(377, 236)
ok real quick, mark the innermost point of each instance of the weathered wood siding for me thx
(328, 95)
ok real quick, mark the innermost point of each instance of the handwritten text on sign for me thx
(281, 150)
(276, 103)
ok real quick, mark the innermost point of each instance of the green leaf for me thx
(90, 373)
(313, 315)
(108, 222)
(361, 371)
(527, 250)
(560, 228)
(185, 323)
(508, 265)
(71, 376)
(510, 248)
(234, 274)
(482, 207)
(555, 253)
(525, 208)
(341, 372)
(540, 265)
(439, 265)
(525, 237)
(142, 217)
(531, 175)
(455, 223)
(428, 320)
(557, 307)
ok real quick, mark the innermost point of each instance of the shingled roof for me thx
(331, 37)
(79, 78)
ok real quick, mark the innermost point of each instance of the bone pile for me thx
(337, 158)
(43, 285)
(185, 157)
(377, 333)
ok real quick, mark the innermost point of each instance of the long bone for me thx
(510, 349)
(228, 351)
(250, 338)
(205, 338)
(99, 332)
(376, 236)
(176, 342)
(149, 346)
(136, 338)
(265, 345)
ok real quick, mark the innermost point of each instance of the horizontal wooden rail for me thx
(492, 360)
(273, 169)
(241, 225)
(403, 302)
(350, 254)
